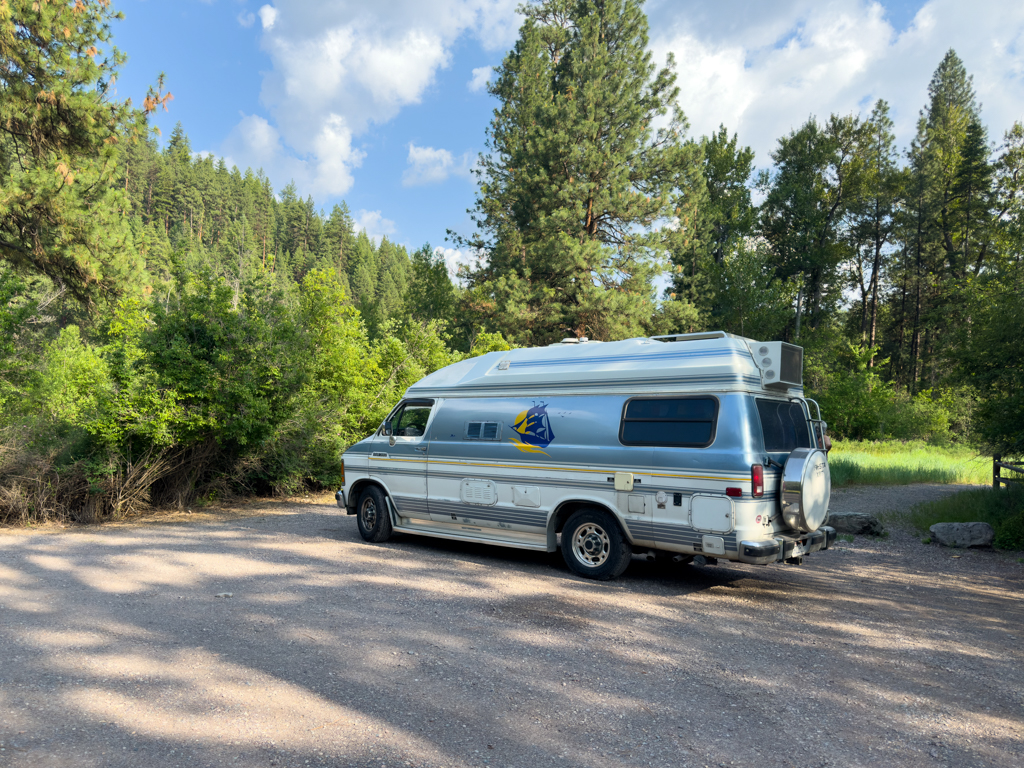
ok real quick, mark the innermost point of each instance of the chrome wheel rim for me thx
(591, 545)
(368, 514)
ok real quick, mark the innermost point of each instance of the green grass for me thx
(1003, 509)
(895, 462)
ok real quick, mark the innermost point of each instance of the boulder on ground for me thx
(963, 534)
(855, 522)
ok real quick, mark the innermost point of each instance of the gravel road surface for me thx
(117, 651)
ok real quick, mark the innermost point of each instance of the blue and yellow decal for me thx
(533, 428)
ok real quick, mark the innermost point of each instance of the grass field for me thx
(901, 463)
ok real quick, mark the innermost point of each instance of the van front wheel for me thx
(593, 545)
(372, 515)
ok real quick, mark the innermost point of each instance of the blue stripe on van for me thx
(534, 518)
(686, 536)
(603, 384)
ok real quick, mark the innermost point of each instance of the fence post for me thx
(995, 470)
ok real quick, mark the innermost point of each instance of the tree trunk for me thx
(799, 310)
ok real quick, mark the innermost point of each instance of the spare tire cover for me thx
(806, 488)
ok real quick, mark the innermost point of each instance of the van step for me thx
(516, 539)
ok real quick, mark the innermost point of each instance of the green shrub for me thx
(859, 405)
(1010, 535)
(1002, 508)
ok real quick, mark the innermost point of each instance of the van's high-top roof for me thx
(699, 362)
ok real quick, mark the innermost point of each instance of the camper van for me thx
(694, 447)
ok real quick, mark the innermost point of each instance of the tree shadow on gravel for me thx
(430, 652)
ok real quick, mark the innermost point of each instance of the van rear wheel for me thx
(372, 515)
(593, 545)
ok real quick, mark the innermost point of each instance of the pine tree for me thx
(715, 213)
(430, 294)
(60, 137)
(575, 182)
(817, 177)
(935, 223)
(874, 215)
(972, 193)
(338, 240)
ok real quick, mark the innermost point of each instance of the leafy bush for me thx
(226, 388)
(1010, 534)
(1002, 508)
(859, 405)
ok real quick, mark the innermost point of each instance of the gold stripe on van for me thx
(548, 467)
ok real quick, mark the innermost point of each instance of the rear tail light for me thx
(342, 473)
(756, 481)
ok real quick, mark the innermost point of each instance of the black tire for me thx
(372, 515)
(593, 545)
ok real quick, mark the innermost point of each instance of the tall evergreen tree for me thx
(430, 294)
(715, 214)
(972, 207)
(816, 179)
(936, 219)
(874, 215)
(60, 131)
(575, 183)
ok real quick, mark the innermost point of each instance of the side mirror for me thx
(387, 428)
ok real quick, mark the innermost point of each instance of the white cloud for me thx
(246, 19)
(432, 166)
(455, 258)
(268, 15)
(334, 157)
(481, 76)
(763, 74)
(374, 224)
(341, 67)
(326, 170)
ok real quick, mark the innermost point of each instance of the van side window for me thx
(411, 418)
(483, 430)
(681, 422)
(784, 425)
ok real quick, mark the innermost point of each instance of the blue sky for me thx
(381, 104)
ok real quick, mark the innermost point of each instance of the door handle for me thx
(423, 448)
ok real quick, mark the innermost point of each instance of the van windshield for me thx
(784, 425)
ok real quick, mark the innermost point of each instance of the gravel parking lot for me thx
(117, 651)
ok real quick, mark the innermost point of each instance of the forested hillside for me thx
(172, 329)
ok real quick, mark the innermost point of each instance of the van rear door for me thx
(784, 425)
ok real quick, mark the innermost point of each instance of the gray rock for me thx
(963, 534)
(855, 522)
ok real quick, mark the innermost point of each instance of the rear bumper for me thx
(340, 498)
(783, 548)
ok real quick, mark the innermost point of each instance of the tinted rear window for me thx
(784, 425)
(684, 422)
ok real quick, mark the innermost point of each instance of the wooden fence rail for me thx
(998, 465)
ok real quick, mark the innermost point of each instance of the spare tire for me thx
(806, 488)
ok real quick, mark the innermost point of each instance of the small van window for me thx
(682, 422)
(483, 430)
(784, 425)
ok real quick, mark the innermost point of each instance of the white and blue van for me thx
(699, 446)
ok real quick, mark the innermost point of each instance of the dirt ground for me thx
(117, 651)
